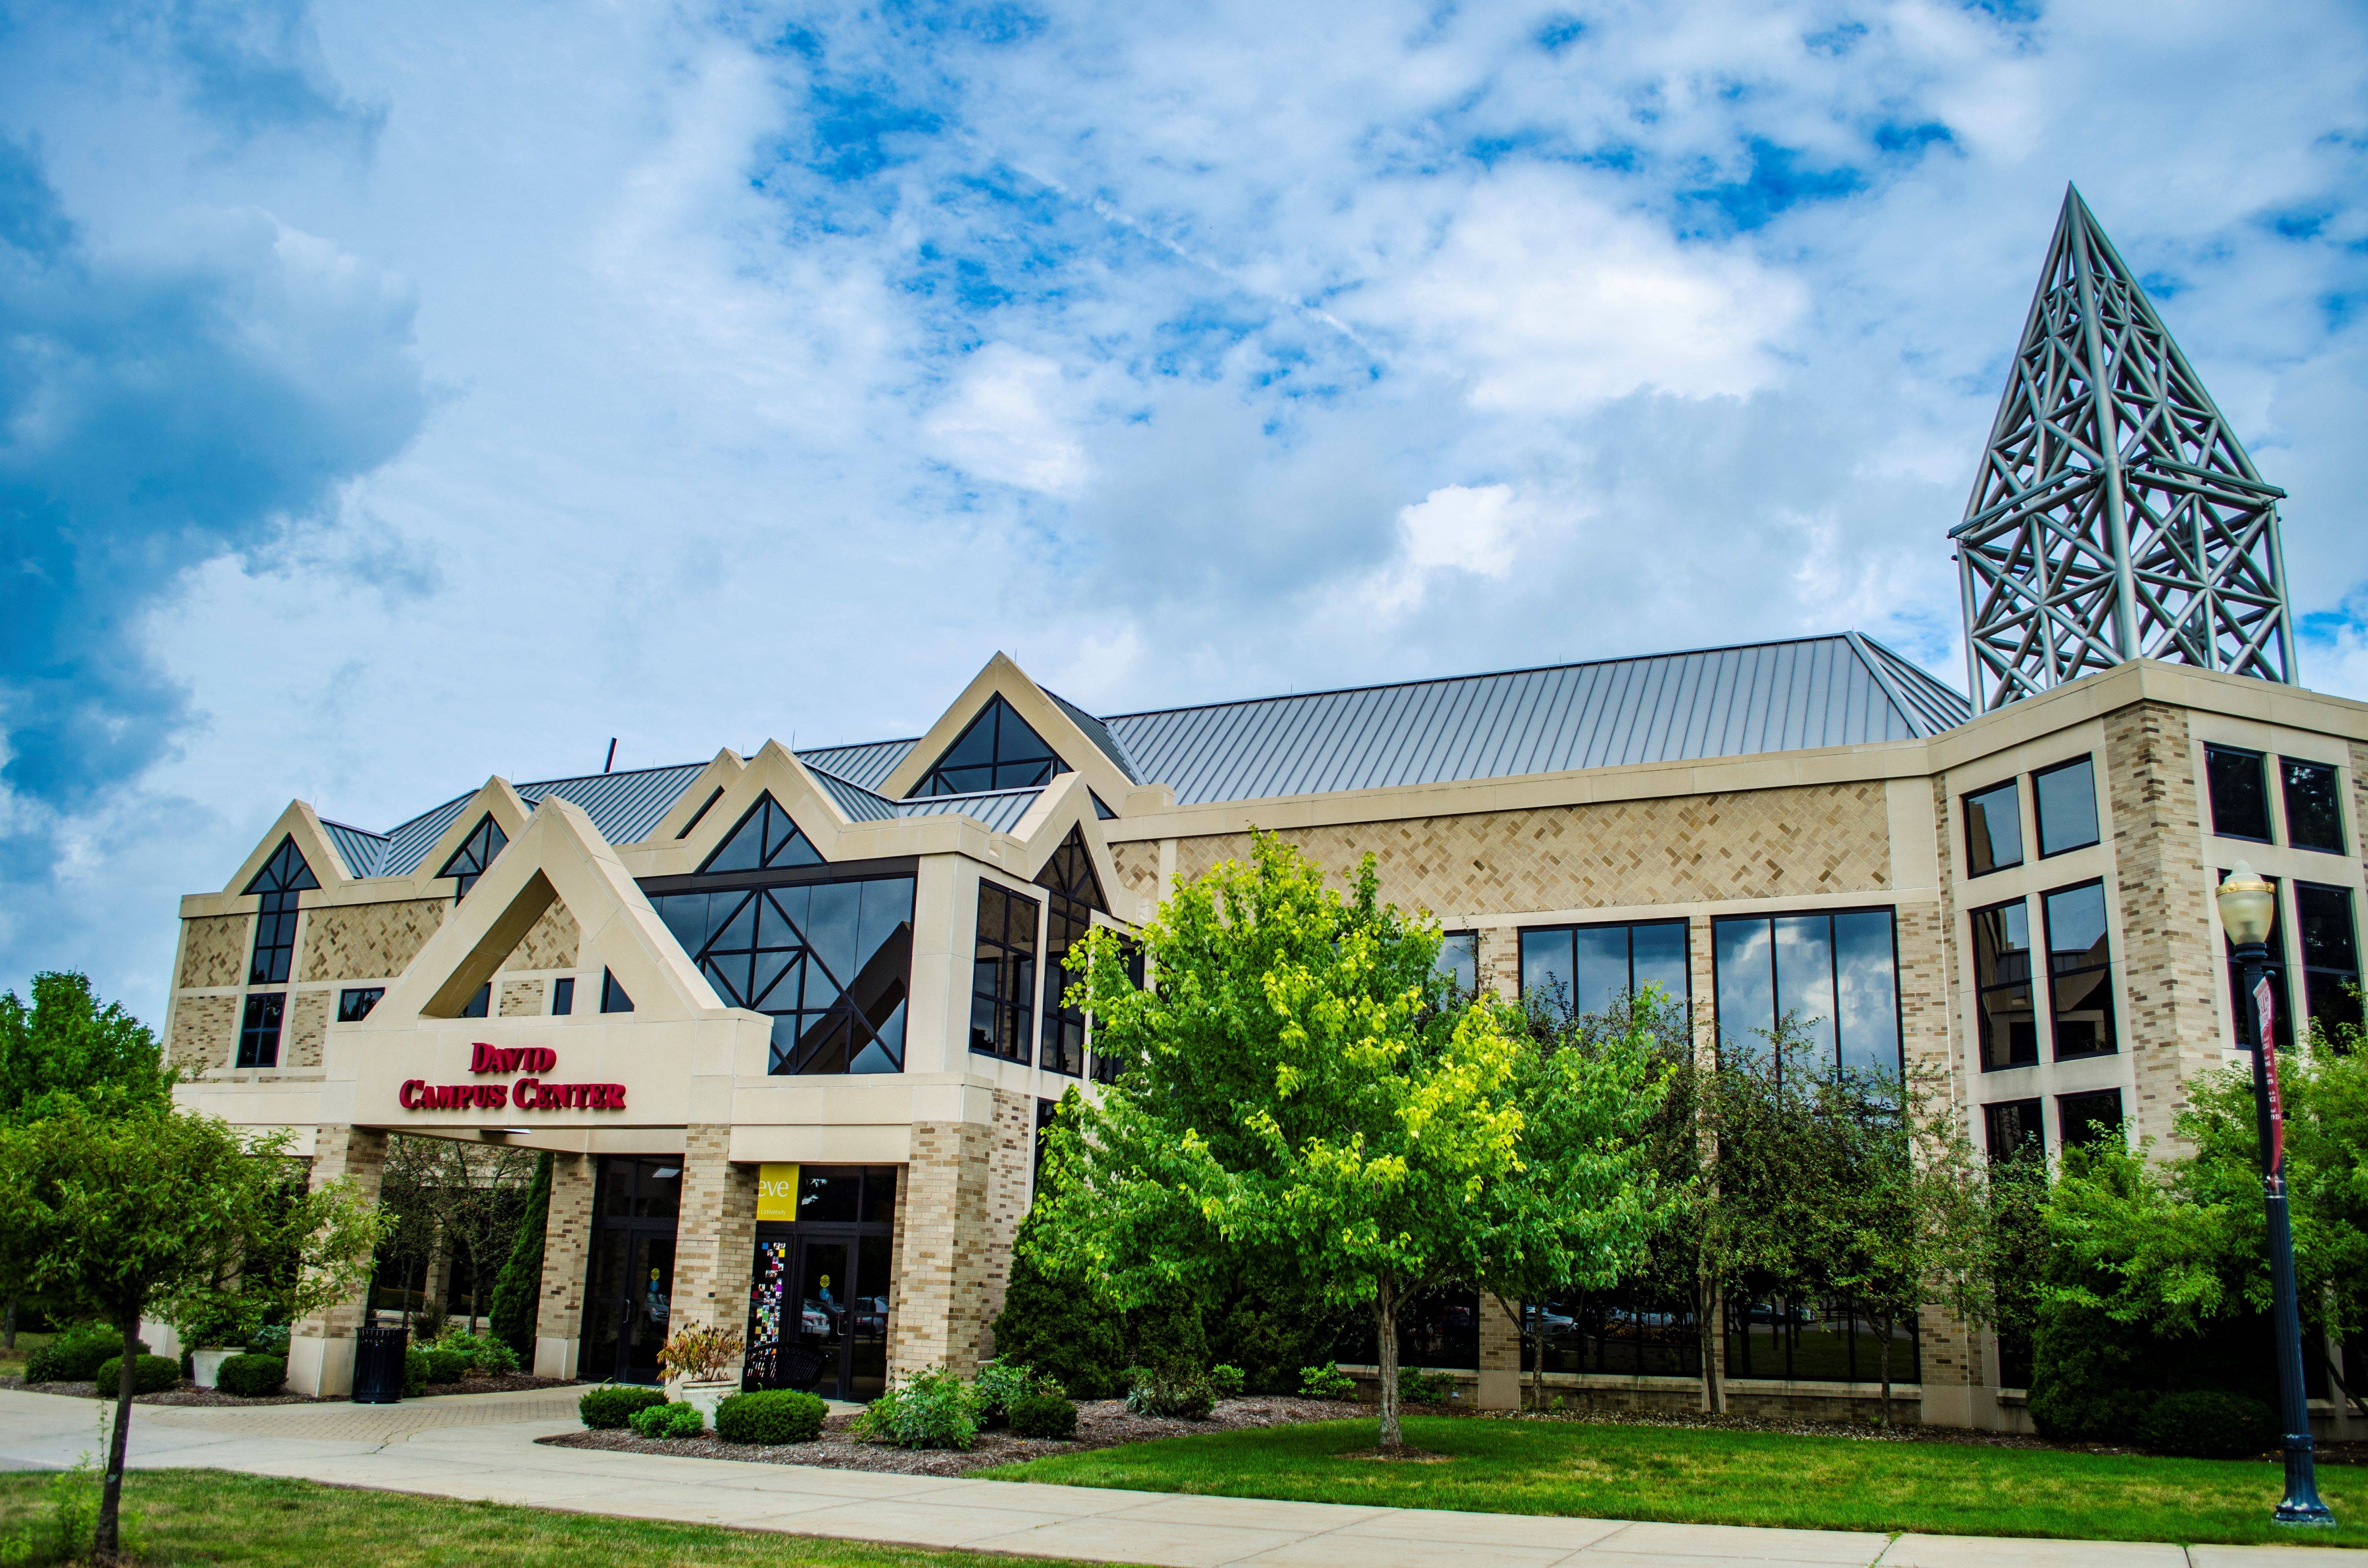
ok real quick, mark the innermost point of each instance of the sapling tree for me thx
(130, 1214)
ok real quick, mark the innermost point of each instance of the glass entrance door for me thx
(649, 1311)
(628, 1289)
(823, 1290)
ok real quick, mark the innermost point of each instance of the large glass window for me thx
(2066, 799)
(2331, 954)
(2013, 1127)
(2240, 793)
(1994, 829)
(1107, 1067)
(258, 1031)
(998, 751)
(2089, 1119)
(827, 961)
(2273, 970)
(764, 839)
(2314, 806)
(2080, 972)
(1588, 969)
(1836, 976)
(283, 877)
(467, 863)
(1075, 893)
(1459, 962)
(2002, 981)
(1003, 973)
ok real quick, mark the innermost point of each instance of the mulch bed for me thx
(1101, 1424)
(186, 1393)
(509, 1383)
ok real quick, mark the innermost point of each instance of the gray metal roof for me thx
(867, 767)
(1097, 732)
(624, 806)
(360, 850)
(999, 809)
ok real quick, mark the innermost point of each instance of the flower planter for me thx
(205, 1366)
(706, 1396)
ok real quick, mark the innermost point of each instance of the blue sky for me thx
(395, 395)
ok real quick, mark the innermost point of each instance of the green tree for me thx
(517, 1290)
(1291, 1091)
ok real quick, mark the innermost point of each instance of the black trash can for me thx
(378, 1365)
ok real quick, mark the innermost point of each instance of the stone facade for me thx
(943, 1248)
(1138, 868)
(213, 949)
(566, 1261)
(521, 998)
(1011, 1161)
(307, 1029)
(715, 1237)
(368, 942)
(549, 943)
(1753, 844)
(205, 1033)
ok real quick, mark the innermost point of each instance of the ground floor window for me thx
(1632, 1331)
(1835, 977)
(1437, 1328)
(629, 1293)
(821, 1285)
(1804, 1339)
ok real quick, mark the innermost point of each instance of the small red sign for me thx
(2265, 1007)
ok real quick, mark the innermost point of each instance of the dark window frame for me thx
(2287, 767)
(562, 997)
(1441, 966)
(2068, 1105)
(2039, 809)
(476, 854)
(1686, 929)
(2276, 964)
(1898, 998)
(1028, 770)
(2012, 789)
(2326, 987)
(1009, 1000)
(355, 1002)
(2037, 1130)
(2056, 976)
(277, 888)
(260, 1028)
(2029, 984)
(2260, 761)
(1073, 896)
(780, 844)
(1100, 1067)
(613, 996)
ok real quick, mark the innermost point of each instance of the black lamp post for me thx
(2247, 905)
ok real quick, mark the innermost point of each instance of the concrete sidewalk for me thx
(482, 1446)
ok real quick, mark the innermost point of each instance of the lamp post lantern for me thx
(2248, 906)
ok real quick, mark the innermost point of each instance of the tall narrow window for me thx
(2089, 1119)
(1587, 970)
(2273, 970)
(1074, 893)
(2314, 806)
(2065, 797)
(998, 751)
(2009, 1015)
(1993, 829)
(2240, 793)
(1105, 1067)
(2330, 955)
(258, 1031)
(612, 996)
(468, 863)
(1003, 975)
(764, 839)
(2080, 972)
(283, 877)
(2013, 1127)
(562, 997)
(480, 1004)
(1459, 962)
(1834, 977)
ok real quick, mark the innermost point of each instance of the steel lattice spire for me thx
(2115, 515)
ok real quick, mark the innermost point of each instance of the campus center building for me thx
(790, 1019)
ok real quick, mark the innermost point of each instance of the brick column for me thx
(1499, 960)
(321, 1349)
(1011, 1157)
(566, 1254)
(941, 1295)
(715, 1238)
(1501, 1357)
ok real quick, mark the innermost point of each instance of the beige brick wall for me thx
(1138, 867)
(549, 943)
(358, 1153)
(205, 1033)
(308, 1028)
(943, 1264)
(566, 1248)
(520, 998)
(1010, 1165)
(213, 949)
(368, 942)
(1757, 843)
(715, 1238)
(2167, 963)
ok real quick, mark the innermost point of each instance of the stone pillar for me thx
(941, 1299)
(1498, 956)
(566, 1254)
(1950, 1370)
(715, 1238)
(321, 1349)
(1501, 1357)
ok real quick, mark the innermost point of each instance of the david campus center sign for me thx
(528, 1093)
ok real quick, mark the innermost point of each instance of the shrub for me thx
(271, 1339)
(216, 1320)
(149, 1374)
(517, 1290)
(1270, 1329)
(610, 1407)
(75, 1355)
(1000, 1381)
(700, 1354)
(1168, 1335)
(1226, 1382)
(1326, 1381)
(1044, 1412)
(2208, 1425)
(665, 1421)
(931, 1409)
(481, 1353)
(1416, 1386)
(415, 1372)
(1184, 1396)
(251, 1376)
(1053, 1325)
(773, 1415)
(445, 1366)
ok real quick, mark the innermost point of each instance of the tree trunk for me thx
(104, 1539)
(1385, 1333)
(8, 1329)
(1887, 1325)
(1706, 1319)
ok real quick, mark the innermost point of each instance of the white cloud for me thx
(1006, 423)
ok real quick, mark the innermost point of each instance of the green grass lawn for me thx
(192, 1516)
(1701, 1476)
(12, 1362)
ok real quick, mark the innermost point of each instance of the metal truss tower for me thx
(2115, 515)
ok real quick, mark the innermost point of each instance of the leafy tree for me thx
(127, 1214)
(461, 1201)
(517, 1290)
(1052, 1323)
(1291, 1091)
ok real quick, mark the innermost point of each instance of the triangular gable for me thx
(1084, 757)
(1063, 812)
(699, 799)
(493, 799)
(300, 824)
(559, 856)
(766, 838)
(477, 851)
(795, 792)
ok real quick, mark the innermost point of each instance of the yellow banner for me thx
(777, 1192)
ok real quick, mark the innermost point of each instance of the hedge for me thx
(608, 1407)
(772, 1415)
(73, 1355)
(149, 1374)
(252, 1375)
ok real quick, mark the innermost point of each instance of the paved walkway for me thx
(483, 1446)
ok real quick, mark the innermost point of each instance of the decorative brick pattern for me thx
(308, 1028)
(549, 943)
(1138, 868)
(1500, 962)
(943, 1261)
(2167, 963)
(358, 1155)
(205, 1033)
(520, 998)
(896, 1258)
(715, 1239)
(213, 949)
(1011, 1162)
(1756, 844)
(566, 1249)
(1500, 1337)
(368, 942)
